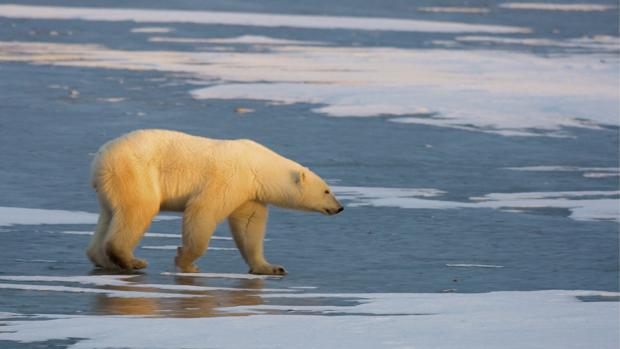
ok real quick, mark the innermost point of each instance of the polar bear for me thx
(147, 171)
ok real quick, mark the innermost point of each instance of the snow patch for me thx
(560, 168)
(601, 174)
(598, 42)
(583, 205)
(428, 87)
(588, 172)
(112, 99)
(73, 232)
(34, 216)
(247, 19)
(551, 319)
(556, 6)
(450, 9)
(543, 195)
(35, 260)
(244, 39)
(463, 265)
(7, 315)
(151, 30)
(356, 193)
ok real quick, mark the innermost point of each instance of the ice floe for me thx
(583, 205)
(598, 42)
(247, 19)
(353, 193)
(36, 216)
(594, 207)
(152, 30)
(112, 99)
(33, 216)
(561, 168)
(601, 174)
(465, 265)
(544, 195)
(543, 6)
(439, 88)
(430, 87)
(453, 9)
(551, 319)
(244, 39)
(35, 260)
(588, 172)
(74, 232)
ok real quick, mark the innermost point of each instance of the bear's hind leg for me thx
(247, 225)
(95, 250)
(126, 230)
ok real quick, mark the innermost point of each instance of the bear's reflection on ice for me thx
(209, 303)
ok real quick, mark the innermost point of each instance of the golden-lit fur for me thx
(147, 171)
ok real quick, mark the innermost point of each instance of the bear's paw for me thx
(137, 264)
(269, 269)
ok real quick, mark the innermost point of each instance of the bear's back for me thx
(172, 153)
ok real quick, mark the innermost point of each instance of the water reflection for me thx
(206, 303)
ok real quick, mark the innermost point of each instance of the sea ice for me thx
(583, 205)
(439, 88)
(247, 19)
(542, 6)
(526, 319)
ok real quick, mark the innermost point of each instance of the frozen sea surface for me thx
(473, 143)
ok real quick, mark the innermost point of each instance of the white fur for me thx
(146, 171)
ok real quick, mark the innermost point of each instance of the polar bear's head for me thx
(313, 194)
(301, 189)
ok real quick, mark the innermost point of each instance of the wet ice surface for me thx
(550, 318)
(478, 165)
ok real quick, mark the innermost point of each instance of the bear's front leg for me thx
(247, 224)
(198, 226)
(184, 261)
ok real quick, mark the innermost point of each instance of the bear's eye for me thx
(327, 192)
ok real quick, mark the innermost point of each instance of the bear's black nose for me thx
(340, 209)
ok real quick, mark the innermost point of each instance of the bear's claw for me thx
(137, 263)
(280, 271)
(269, 270)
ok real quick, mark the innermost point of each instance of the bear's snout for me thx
(334, 211)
